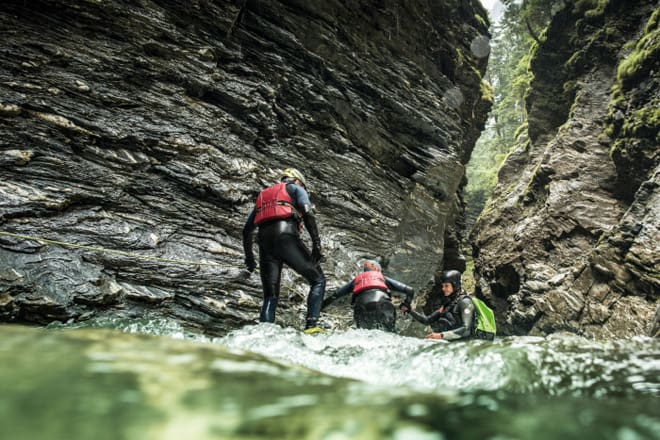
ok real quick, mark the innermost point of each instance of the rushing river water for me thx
(152, 380)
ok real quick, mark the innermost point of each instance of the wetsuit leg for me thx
(293, 252)
(374, 310)
(270, 268)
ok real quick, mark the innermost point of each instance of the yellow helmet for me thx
(292, 173)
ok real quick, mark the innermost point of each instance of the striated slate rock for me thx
(149, 128)
(570, 242)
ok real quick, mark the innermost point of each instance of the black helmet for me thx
(452, 277)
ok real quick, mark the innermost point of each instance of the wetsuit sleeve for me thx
(425, 319)
(298, 195)
(312, 228)
(304, 206)
(465, 319)
(248, 232)
(398, 286)
(342, 291)
(345, 289)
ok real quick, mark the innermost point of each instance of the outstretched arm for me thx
(426, 319)
(398, 286)
(343, 291)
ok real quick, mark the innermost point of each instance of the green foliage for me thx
(482, 176)
(646, 52)
(590, 8)
(475, 71)
(520, 131)
(630, 65)
(509, 76)
(460, 58)
(467, 277)
(598, 10)
(570, 87)
(637, 64)
(643, 123)
(574, 60)
(533, 185)
(486, 92)
(480, 20)
(653, 23)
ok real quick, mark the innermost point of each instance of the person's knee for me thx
(317, 280)
(271, 290)
(316, 292)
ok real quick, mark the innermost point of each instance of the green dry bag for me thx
(485, 328)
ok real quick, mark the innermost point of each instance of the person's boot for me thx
(268, 309)
(311, 326)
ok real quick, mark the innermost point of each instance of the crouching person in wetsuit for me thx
(372, 306)
(280, 209)
(457, 317)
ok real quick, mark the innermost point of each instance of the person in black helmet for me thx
(372, 306)
(456, 317)
(279, 213)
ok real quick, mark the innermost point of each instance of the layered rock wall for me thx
(149, 127)
(570, 240)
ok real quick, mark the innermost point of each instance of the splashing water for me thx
(565, 365)
(264, 381)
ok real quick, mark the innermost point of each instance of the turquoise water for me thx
(153, 380)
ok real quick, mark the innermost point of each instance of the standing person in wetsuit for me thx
(372, 306)
(457, 317)
(279, 211)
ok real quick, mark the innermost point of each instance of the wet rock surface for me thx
(149, 127)
(570, 241)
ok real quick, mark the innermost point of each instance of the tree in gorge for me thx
(519, 28)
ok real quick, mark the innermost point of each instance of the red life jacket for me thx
(274, 203)
(369, 280)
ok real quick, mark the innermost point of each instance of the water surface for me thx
(153, 380)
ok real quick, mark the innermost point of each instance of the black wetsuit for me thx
(280, 242)
(440, 320)
(457, 318)
(373, 308)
